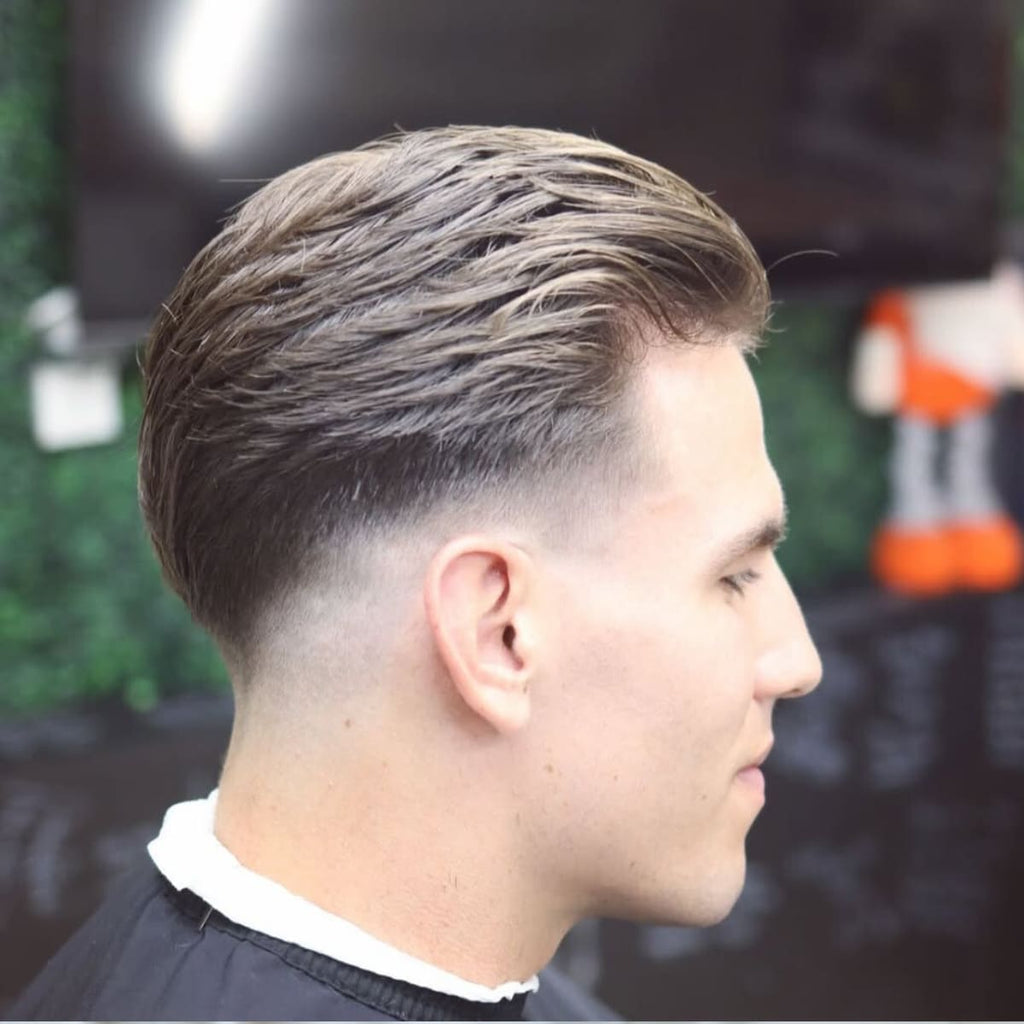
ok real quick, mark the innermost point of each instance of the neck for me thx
(422, 859)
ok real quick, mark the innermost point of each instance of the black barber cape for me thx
(153, 953)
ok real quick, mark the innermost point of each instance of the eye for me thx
(738, 582)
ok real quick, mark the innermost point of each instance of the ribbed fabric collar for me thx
(189, 856)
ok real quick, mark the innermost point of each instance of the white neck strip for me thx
(189, 856)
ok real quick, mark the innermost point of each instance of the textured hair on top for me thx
(433, 317)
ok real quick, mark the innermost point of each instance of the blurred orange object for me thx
(937, 358)
(988, 555)
(920, 563)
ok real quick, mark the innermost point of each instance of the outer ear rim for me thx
(499, 697)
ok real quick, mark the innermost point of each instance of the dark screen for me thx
(871, 129)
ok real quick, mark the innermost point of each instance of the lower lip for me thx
(754, 778)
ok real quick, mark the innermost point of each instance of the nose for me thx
(788, 664)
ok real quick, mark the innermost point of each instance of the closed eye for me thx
(738, 582)
(765, 536)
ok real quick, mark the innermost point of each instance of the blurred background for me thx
(862, 144)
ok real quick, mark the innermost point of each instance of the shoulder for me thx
(148, 954)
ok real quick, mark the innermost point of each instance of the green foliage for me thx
(33, 163)
(83, 613)
(830, 457)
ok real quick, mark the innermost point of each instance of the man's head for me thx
(457, 425)
(436, 318)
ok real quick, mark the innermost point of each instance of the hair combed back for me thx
(423, 318)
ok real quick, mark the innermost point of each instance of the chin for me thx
(702, 910)
(715, 909)
(705, 898)
(721, 892)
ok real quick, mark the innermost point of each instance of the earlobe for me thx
(476, 595)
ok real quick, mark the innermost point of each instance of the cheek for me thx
(642, 723)
(653, 680)
(698, 682)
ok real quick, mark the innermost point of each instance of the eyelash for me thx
(738, 582)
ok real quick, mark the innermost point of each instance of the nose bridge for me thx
(789, 664)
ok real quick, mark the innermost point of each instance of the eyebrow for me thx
(769, 533)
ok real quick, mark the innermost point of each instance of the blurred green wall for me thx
(83, 614)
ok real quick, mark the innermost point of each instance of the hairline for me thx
(555, 509)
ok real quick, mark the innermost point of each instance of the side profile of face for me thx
(666, 647)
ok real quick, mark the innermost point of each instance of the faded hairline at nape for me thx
(363, 579)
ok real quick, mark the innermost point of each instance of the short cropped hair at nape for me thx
(438, 316)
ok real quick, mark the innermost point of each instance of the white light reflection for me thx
(210, 50)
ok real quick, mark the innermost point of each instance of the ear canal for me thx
(508, 637)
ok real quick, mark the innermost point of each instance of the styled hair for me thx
(438, 316)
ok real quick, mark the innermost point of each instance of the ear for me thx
(477, 594)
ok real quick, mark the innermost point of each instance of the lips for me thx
(751, 774)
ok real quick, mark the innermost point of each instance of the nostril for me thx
(792, 670)
(812, 671)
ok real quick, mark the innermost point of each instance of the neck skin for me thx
(424, 850)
